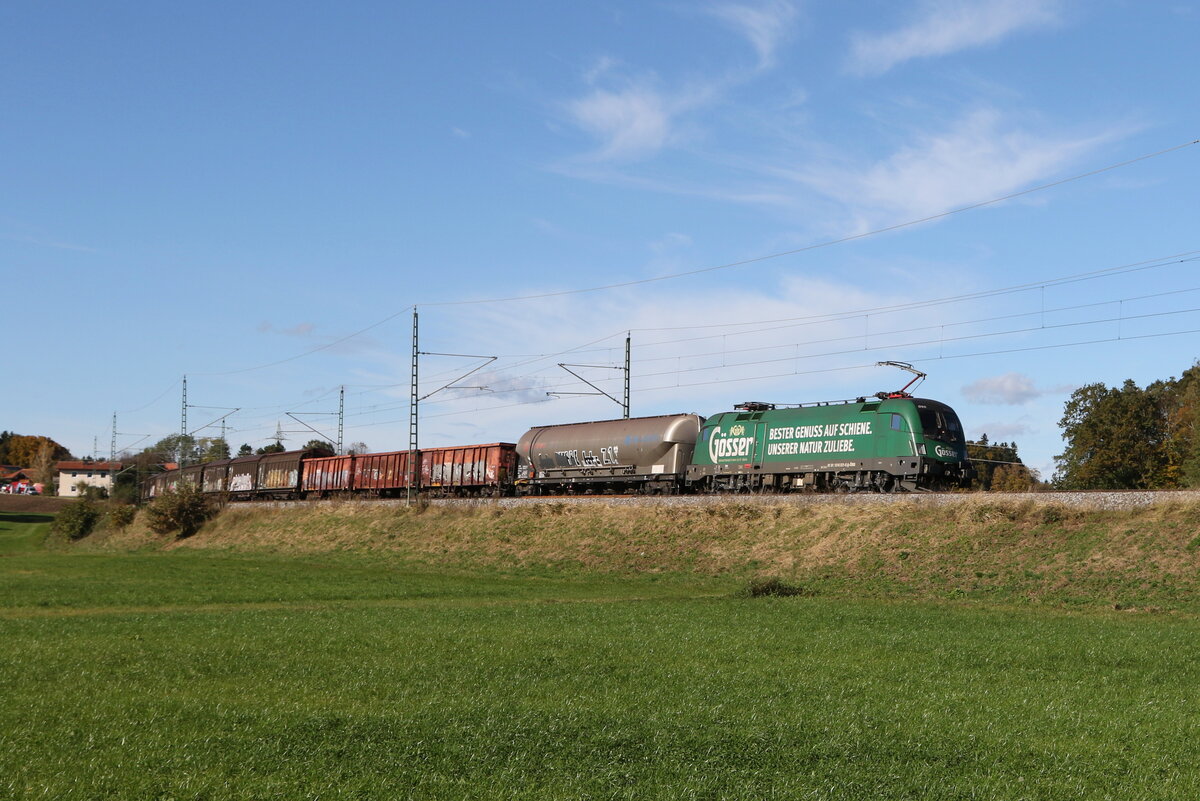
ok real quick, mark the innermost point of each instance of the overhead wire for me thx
(748, 379)
(532, 359)
(714, 268)
(889, 346)
(380, 408)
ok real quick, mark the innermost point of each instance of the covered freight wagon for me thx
(645, 454)
(159, 483)
(243, 477)
(216, 476)
(279, 473)
(192, 474)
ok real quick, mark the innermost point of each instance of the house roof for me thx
(61, 466)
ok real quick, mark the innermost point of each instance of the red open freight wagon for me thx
(460, 470)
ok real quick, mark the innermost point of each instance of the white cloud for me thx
(765, 25)
(1010, 389)
(630, 122)
(1001, 432)
(948, 26)
(981, 156)
(633, 116)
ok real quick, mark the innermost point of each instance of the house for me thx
(15, 479)
(94, 474)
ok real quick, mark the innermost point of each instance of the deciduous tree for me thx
(43, 468)
(1116, 439)
(24, 449)
(213, 448)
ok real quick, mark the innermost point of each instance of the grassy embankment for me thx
(984, 549)
(368, 653)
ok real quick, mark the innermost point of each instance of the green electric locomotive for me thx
(892, 443)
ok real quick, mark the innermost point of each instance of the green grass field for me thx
(213, 675)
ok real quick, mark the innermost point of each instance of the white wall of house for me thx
(68, 481)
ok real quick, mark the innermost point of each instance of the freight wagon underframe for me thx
(602, 482)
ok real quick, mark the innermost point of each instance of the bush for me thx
(771, 586)
(119, 516)
(77, 520)
(182, 510)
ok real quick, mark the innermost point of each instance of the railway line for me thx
(1108, 500)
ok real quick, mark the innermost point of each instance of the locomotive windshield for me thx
(941, 424)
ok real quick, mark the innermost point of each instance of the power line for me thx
(726, 266)
(377, 409)
(889, 346)
(1147, 264)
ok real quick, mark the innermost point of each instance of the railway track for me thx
(1090, 499)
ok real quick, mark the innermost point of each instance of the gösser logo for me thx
(731, 445)
(944, 452)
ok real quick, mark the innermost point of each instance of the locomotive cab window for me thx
(941, 424)
(897, 422)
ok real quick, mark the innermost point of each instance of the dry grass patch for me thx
(1017, 549)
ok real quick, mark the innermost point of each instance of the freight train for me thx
(891, 442)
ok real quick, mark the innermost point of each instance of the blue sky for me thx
(232, 190)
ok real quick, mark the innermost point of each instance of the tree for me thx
(44, 467)
(990, 461)
(358, 449)
(176, 447)
(23, 450)
(213, 448)
(319, 445)
(1187, 421)
(275, 447)
(245, 450)
(1181, 412)
(1014, 478)
(1116, 439)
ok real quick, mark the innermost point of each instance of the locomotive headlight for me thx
(921, 448)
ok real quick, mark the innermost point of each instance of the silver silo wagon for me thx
(642, 454)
